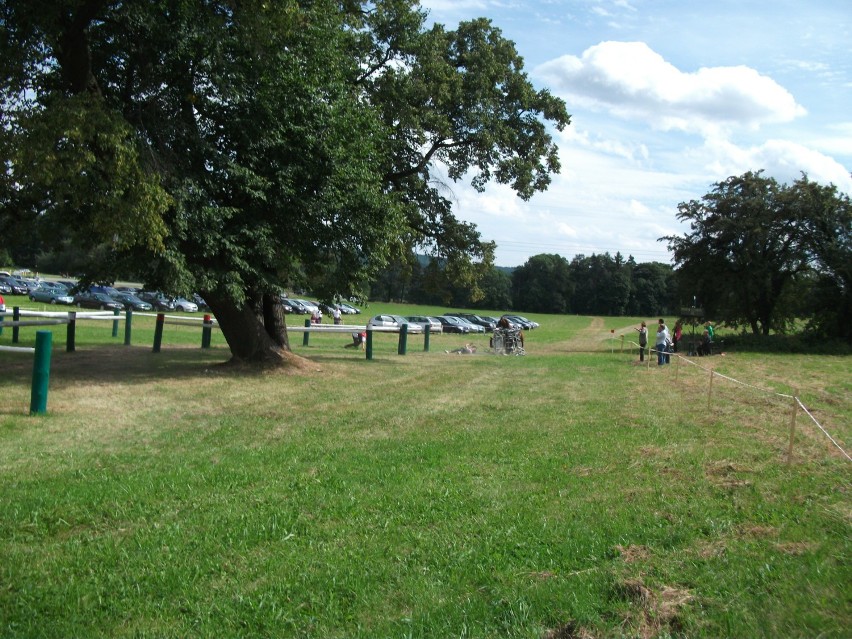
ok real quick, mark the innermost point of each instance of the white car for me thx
(183, 304)
(394, 321)
(434, 323)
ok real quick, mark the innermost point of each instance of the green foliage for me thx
(234, 148)
(752, 242)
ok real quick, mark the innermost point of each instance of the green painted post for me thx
(307, 335)
(403, 340)
(16, 317)
(41, 372)
(426, 332)
(158, 332)
(369, 343)
(128, 326)
(206, 330)
(115, 313)
(71, 332)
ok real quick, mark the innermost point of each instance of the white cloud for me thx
(783, 160)
(632, 81)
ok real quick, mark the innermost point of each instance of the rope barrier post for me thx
(206, 331)
(426, 331)
(622, 343)
(71, 332)
(115, 313)
(307, 333)
(369, 342)
(16, 317)
(158, 332)
(128, 326)
(792, 429)
(403, 340)
(710, 392)
(41, 372)
(677, 366)
(650, 355)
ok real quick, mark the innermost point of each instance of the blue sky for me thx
(667, 97)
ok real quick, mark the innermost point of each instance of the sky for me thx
(667, 98)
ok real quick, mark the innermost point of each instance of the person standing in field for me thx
(643, 340)
(661, 343)
(677, 335)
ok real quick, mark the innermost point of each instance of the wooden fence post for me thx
(792, 428)
(403, 340)
(426, 331)
(128, 326)
(71, 332)
(206, 332)
(306, 337)
(158, 332)
(41, 372)
(710, 392)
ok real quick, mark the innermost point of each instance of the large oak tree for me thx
(753, 243)
(222, 146)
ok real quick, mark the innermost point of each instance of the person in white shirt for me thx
(661, 343)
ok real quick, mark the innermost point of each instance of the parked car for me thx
(5, 288)
(476, 320)
(132, 302)
(434, 323)
(109, 290)
(348, 309)
(473, 328)
(294, 305)
(394, 321)
(18, 286)
(71, 286)
(160, 301)
(184, 305)
(327, 309)
(311, 307)
(100, 301)
(202, 303)
(129, 289)
(452, 324)
(523, 322)
(50, 293)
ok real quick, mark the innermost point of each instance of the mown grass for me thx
(568, 493)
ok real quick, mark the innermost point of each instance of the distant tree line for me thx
(586, 285)
(760, 256)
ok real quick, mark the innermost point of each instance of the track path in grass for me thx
(593, 338)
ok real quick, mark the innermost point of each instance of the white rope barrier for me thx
(757, 388)
(813, 419)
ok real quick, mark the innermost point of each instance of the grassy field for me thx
(567, 493)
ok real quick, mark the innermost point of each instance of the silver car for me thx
(49, 293)
(394, 321)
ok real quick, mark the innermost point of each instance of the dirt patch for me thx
(632, 554)
(655, 613)
(569, 631)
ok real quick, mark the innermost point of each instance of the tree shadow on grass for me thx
(104, 364)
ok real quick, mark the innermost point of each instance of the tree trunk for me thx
(245, 332)
(275, 321)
